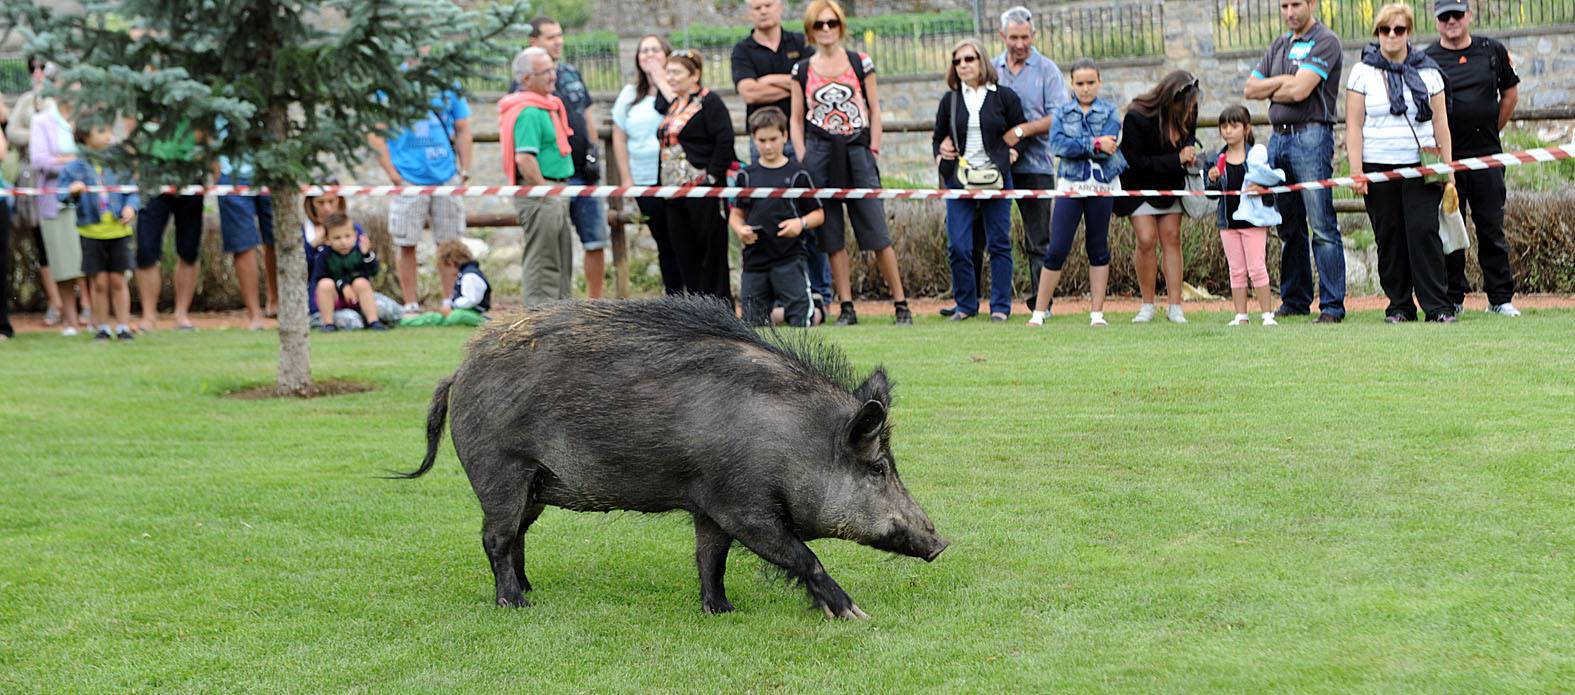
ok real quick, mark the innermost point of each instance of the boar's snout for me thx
(940, 545)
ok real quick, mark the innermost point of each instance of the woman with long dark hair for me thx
(635, 120)
(1160, 144)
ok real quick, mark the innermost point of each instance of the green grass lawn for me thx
(1145, 508)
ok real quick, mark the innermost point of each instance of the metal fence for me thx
(1253, 24)
(597, 61)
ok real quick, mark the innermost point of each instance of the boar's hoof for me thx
(515, 602)
(718, 606)
(849, 613)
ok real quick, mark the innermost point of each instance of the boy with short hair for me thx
(472, 294)
(342, 275)
(103, 223)
(772, 228)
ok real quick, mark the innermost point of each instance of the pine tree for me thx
(298, 85)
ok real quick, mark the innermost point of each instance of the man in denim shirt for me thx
(1300, 77)
(1037, 81)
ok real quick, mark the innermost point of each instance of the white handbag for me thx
(1452, 231)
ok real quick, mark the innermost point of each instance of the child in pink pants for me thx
(1245, 244)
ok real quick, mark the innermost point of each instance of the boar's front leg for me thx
(777, 545)
(711, 546)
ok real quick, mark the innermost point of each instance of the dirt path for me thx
(236, 320)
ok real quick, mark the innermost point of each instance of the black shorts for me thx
(106, 255)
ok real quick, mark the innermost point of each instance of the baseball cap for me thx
(1442, 6)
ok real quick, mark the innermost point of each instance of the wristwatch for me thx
(1018, 131)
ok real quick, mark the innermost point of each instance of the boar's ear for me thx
(866, 424)
(875, 388)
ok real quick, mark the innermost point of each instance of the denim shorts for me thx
(244, 221)
(590, 220)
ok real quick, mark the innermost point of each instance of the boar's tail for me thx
(436, 415)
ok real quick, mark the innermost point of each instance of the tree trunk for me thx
(295, 354)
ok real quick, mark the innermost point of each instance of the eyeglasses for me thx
(827, 24)
(1398, 30)
(970, 58)
(1452, 16)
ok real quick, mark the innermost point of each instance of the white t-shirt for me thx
(973, 141)
(1387, 138)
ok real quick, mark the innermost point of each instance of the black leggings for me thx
(699, 237)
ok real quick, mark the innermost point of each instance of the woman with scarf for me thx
(970, 135)
(835, 128)
(1395, 112)
(697, 149)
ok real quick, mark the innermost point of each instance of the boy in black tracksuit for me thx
(772, 229)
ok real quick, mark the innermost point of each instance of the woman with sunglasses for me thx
(836, 133)
(696, 138)
(1394, 111)
(1160, 146)
(969, 141)
(635, 120)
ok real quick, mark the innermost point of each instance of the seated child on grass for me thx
(342, 274)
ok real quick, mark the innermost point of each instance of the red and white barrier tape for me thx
(1507, 159)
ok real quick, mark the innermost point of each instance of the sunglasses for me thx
(1452, 16)
(964, 59)
(827, 24)
(1400, 30)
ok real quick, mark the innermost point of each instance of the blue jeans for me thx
(997, 215)
(1308, 155)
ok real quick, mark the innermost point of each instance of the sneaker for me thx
(1443, 318)
(1328, 318)
(377, 326)
(102, 336)
(997, 317)
(1285, 311)
(847, 316)
(328, 328)
(412, 308)
(1268, 319)
(904, 316)
(947, 312)
(1240, 320)
(1038, 318)
(1396, 319)
(1096, 319)
(1461, 309)
(1175, 314)
(69, 331)
(125, 335)
(1505, 309)
(1145, 314)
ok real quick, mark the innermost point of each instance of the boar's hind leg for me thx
(518, 547)
(504, 508)
(711, 546)
(775, 544)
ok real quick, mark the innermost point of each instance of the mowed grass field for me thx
(1142, 508)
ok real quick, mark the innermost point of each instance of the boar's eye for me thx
(880, 464)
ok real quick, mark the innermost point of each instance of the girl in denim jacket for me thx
(1083, 136)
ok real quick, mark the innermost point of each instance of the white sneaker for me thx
(1174, 313)
(1268, 319)
(1097, 319)
(69, 331)
(1038, 319)
(1145, 314)
(412, 308)
(1505, 309)
(1240, 320)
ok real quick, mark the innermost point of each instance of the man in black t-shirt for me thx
(1300, 77)
(1482, 86)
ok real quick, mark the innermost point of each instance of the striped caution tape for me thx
(1496, 161)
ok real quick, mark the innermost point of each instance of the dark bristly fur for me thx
(671, 404)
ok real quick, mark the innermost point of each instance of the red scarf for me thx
(678, 115)
(509, 110)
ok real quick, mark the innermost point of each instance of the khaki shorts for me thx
(409, 214)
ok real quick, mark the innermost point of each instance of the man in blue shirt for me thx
(1037, 82)
(589, 214)
(433, 151)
